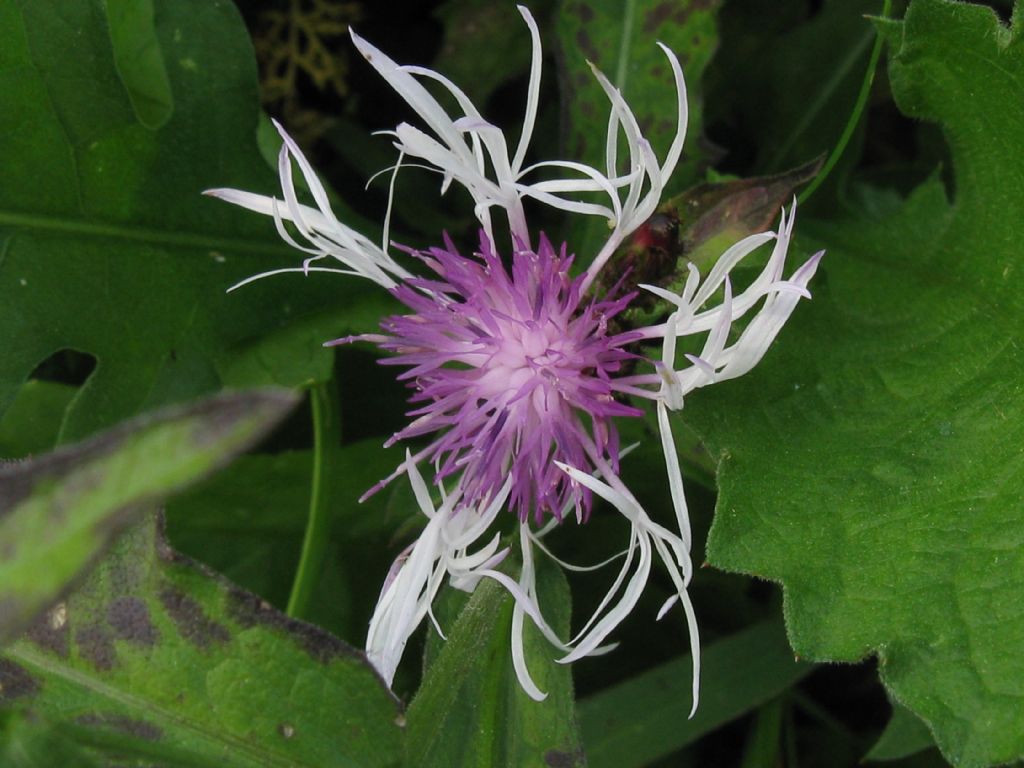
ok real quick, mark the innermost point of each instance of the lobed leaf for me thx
(106, 243)
(872, 465)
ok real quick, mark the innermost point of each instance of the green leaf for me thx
(621, 40)
(763, 742)
(485, 45)
(645, 718)
(247, 522)
(470, 708)
(28, 742)
(106, 243)
(872, 464)
(904, 735)
(139, 60)
(32, 423)
(60, 511)
(157, 656)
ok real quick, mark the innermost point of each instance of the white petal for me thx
(675, 475)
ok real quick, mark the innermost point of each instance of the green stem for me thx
(858, 109)
(326, 436)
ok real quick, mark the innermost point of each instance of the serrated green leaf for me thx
(873, 463)
(470, 708)
(60, 511)
(156, 656)
(106, 244)
(646, 718)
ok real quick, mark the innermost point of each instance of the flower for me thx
(517, 379)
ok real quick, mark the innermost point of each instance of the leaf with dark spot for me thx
(192, 623)
(15, 682)
(129, 618)
(123, 113)
(621, 41)
(96, 646)
(158, 658)
(137, 728)
(61, 510)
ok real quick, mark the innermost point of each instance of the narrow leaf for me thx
(471, 710)
(642, 719)
(60, 511)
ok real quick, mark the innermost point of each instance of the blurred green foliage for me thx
(871, 464)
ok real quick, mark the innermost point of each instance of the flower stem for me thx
(858, 109)
(326, 436)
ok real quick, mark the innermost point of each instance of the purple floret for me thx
(512, 371)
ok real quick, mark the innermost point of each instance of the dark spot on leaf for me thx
(140, 729)
(581, 145)
(51, 632)
(249, 611)
(587, 108)
(192, 623)
(658, 15)
(584, 11)
(557, 758)
(129, 617)
(587, 46)
(15, 682)
(96, 646)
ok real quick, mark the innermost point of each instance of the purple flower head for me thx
(516, 379)
(512, 371)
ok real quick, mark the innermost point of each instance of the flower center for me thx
(530, 357)
(512, 372)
